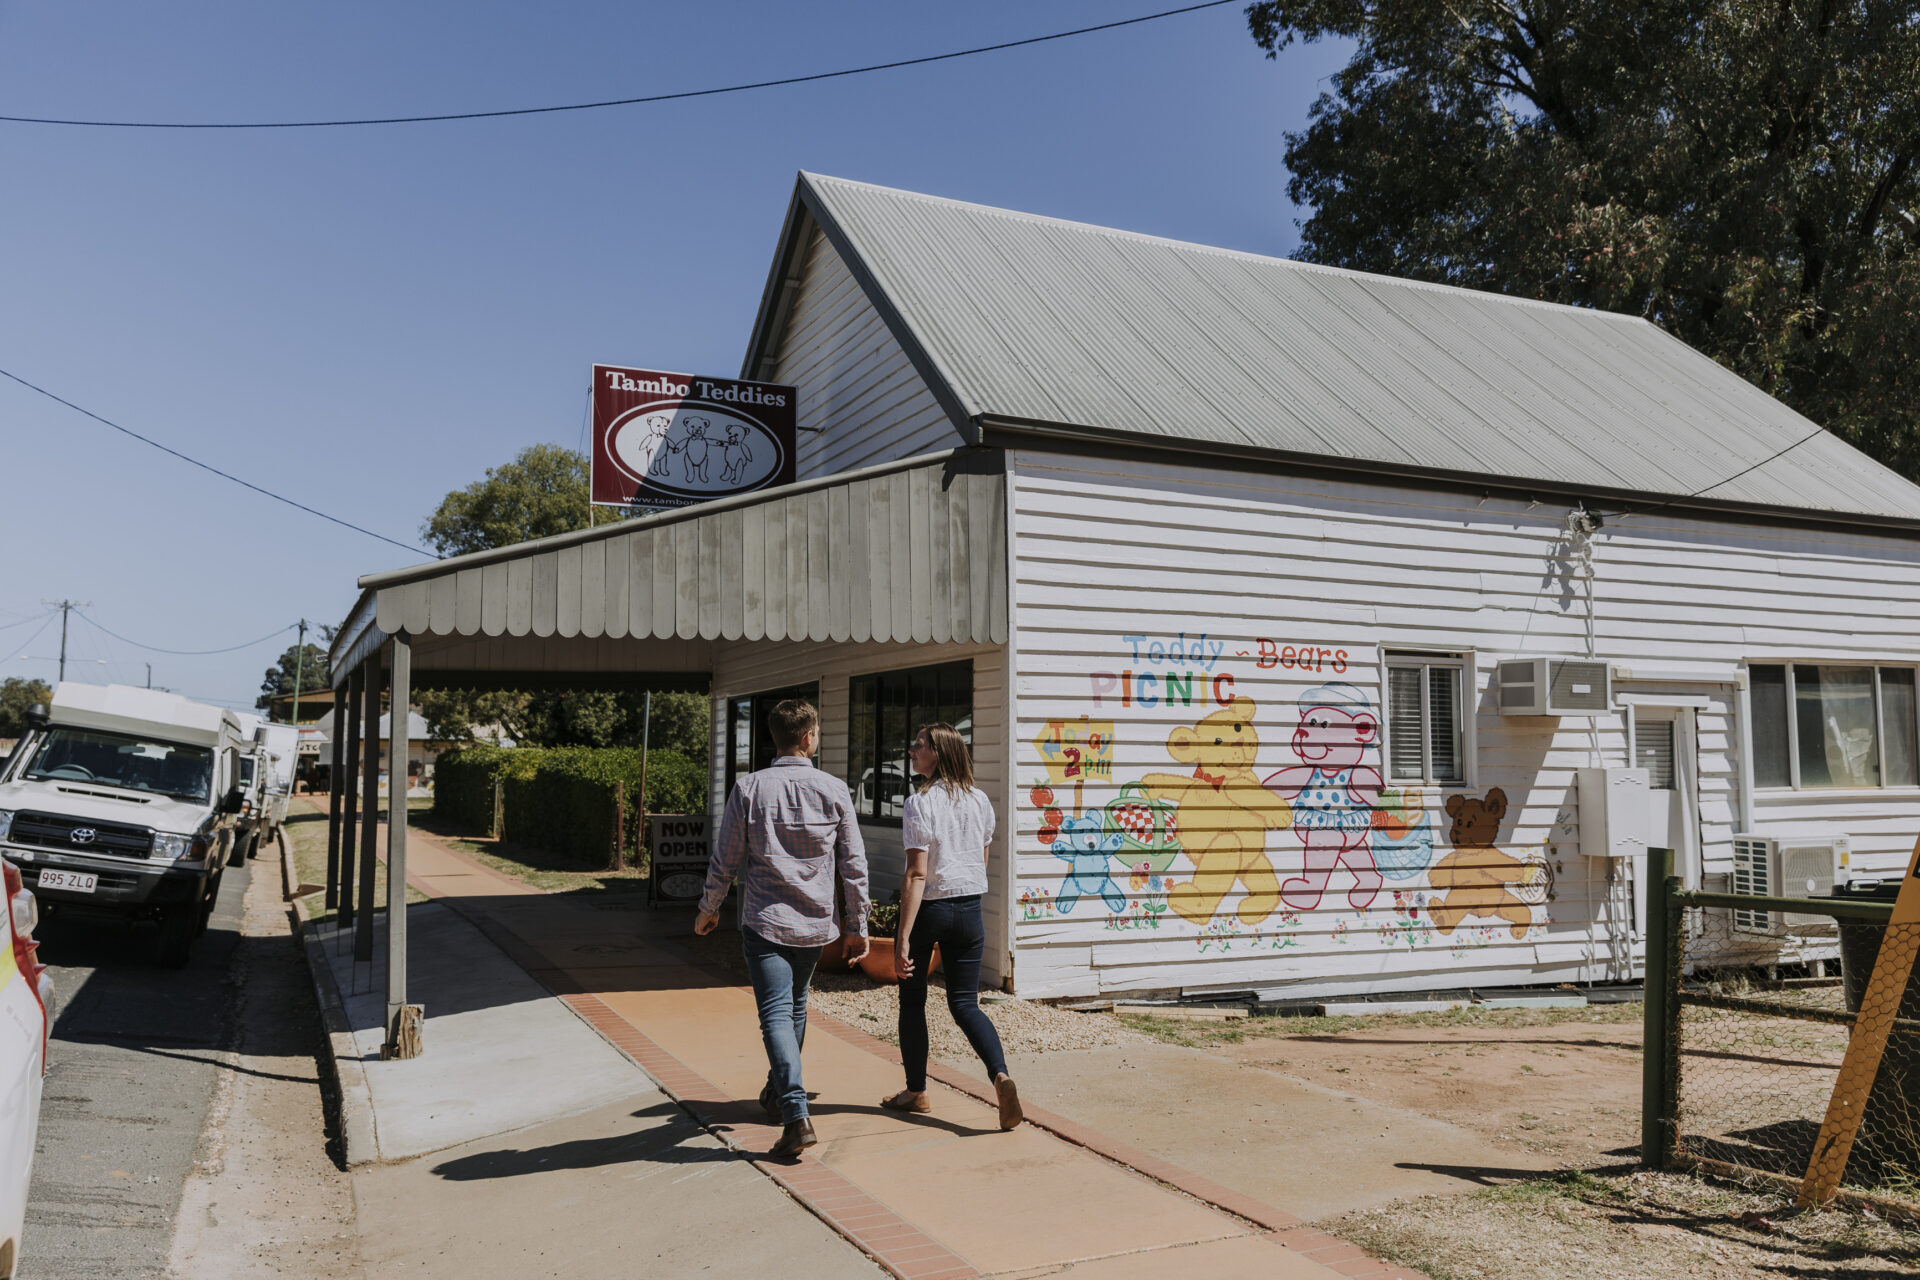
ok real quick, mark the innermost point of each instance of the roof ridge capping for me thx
(818, 181)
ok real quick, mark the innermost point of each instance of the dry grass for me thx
(307, 836)
(1626, 1226)
(1200, 1035)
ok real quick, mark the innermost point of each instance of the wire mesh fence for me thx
(1759, 1007)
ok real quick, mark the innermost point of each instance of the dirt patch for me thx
(1634, 1226)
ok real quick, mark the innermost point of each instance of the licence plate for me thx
(77, 881)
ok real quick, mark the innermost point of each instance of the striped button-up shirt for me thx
(789, 834)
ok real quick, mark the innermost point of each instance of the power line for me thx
(186, 653)
(32, 639)
(1687, 497)
(301, 506)
(621, 102)
(7, 626)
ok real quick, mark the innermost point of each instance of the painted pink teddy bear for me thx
(1332, 793)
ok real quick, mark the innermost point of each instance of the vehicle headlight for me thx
(6, 823)
(171, 846)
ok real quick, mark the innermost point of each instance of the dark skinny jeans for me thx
(955, 924)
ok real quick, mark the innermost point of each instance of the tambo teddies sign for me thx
(675, 439)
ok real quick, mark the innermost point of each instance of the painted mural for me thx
(1249, 854)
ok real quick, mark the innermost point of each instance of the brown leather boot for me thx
(794, 1139)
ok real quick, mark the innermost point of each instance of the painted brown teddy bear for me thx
(1476, 879)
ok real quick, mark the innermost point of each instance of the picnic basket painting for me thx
(1145, 827)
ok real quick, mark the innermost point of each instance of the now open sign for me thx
(682, 844)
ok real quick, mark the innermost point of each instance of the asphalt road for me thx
(134, 1067)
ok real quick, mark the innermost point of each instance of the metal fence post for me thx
(619, 825)
(1659, 1070)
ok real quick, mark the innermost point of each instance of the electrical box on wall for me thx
(1613, 812)
(1555, 687)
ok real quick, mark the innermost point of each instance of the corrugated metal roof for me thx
(913, 550)
(1045, 321)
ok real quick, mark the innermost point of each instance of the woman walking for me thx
(946, 828)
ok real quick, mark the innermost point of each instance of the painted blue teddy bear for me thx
(1085, 847)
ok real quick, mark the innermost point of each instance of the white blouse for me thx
(954, 828)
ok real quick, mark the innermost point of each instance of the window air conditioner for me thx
(1555, 687)
(1786, 866)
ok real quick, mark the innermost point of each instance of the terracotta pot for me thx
(833, 957)
(877, 964)
(879, 961)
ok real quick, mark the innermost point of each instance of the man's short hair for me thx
(791, 721)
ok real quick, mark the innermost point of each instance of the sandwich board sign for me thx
(675, 439)
(681, 844)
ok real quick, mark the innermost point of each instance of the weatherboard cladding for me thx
(1039, 322)
(914, 552)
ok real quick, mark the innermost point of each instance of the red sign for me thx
(674, 439)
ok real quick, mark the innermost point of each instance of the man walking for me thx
(787, 831)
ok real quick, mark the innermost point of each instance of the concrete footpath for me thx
(941, 1196)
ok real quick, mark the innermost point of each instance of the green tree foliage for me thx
(590, 718)
(1742, 174)
(16, 695)
(541, 492)
(278, 681)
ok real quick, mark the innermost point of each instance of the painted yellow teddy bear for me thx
(1224, 814)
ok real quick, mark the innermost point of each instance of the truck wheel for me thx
(178, 928)
(204, 913)
(253, 846)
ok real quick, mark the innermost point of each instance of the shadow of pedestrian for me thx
(659, 1144)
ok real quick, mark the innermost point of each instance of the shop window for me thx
(884, 711)
(1820, 726)
(749, 744)
(1425, 718)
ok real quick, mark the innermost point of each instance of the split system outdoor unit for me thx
(1803, 865)
(1555, 687)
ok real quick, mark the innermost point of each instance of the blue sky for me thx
(366, 318)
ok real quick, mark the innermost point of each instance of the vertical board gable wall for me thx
(855, 383)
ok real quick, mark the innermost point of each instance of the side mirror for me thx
(235, 801)
(37, 715)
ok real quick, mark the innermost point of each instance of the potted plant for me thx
(883, 919)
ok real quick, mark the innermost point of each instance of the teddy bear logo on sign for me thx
(1223, 815)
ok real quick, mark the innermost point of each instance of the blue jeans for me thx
(780, 976)
(955, 924)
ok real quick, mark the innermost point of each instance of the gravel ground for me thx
(1024, 1026)
(1627, 1226)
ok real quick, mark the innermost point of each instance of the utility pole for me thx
(299, 671)
(149, 675)
(66, 607)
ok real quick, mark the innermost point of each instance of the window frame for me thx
(756, 725)
(1792, 728)
(873, 817)
(1467, 694)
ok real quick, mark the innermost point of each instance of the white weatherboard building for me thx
(1228, 565)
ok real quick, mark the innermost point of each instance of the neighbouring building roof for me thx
(1028, 324)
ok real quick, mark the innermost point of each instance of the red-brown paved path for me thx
(935, 1197)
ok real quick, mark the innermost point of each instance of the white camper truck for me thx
(124, 802)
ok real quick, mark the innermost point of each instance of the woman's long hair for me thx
(952, 766)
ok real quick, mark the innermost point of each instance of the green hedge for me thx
(561, 799)
(463, 780)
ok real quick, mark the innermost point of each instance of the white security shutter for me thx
(1653, 751)
(1404, 729)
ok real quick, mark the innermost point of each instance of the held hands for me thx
(706, 922)
(856, 946)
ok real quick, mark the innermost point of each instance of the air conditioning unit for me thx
(1555, 687)
(1804, 865)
